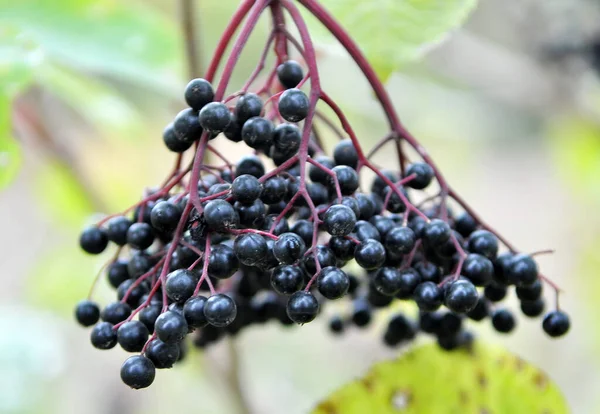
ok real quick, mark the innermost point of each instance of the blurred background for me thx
(509, 107)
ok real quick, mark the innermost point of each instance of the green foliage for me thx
(576, 146)
(61, 195)
(394, 32)
(429, 380)
(61, 278)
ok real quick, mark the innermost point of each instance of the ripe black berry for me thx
(186, 127)
(274, 190)
(287, 138)
(172, 142)
(495, 292)
(171, 327)
(484, 243)
(461, 296)
(530, 292)
(347, 178)
(161, 354)
(148, 315)
(132, 336)
(93, 240)
(478, 269)
(409, 280)
(220, 310)
(400, 240)
(480, 311)
(289, 248)
(257, 132)
(250, 164)
(336, 325)
(556, 323)
(165, 216)
(522, 270)
(423, 175)
(248, 106)
(198, 93)
(339, 220)
(138, 372)
(115, 312)
(290, 74)
(342, 248)
(366, 231)
(302, 307)
(193, 311)
(87, 313)
(220, 215)
(116, 230)
(324, 256)
(387, 281)
(287, 279)
(214, 117)
(140, 236)
(465, 224)
(428, 296)
(533, 308)
(293, 105)
(370, 255)
(436, 232)
(180, 285)
(223, 262)
(246, 188)
(250, 249)
(103, 336)
(503, 321)
(345, 153)
(332, 282)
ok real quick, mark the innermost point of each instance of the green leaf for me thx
(120, 39)
(394, 32)
(429, 380)
(62, 195)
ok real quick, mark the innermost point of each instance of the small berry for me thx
(428, 296)
(533, 308)
(180, 285)
(140, 236)
(436, 232)
(484, 243)
(172, 142)
(400, 240)
(293, 105)
(339, 220)
(333, 283)
(250, 248)
(223, 262)
(171, 327)
(193, 311)
(103, 336)
(186, 127)
(220, 310)
(461, 296)
(248, 106)
(287, 138)
(161, 354)
(116, 230)
(93, 240)
(198, 93)
(503, 321)
(302, 307)
(220, 215)
(138, 372)
(409, 281)
(115, 312)
(423, 175)
(478, 269)
(556, 323)
(87, 313)
(290, 74)
(165, 216)
(370, 255)
(522, 270)
(287, 279)
(347, 178)
(288, 248)
(258, 132)
(214, 117)
(132, 336)
(344, 153)
(246, 188)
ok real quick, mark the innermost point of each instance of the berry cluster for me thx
(221, 246)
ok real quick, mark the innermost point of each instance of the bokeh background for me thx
(509, 107)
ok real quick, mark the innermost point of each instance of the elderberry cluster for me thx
(286, 229)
